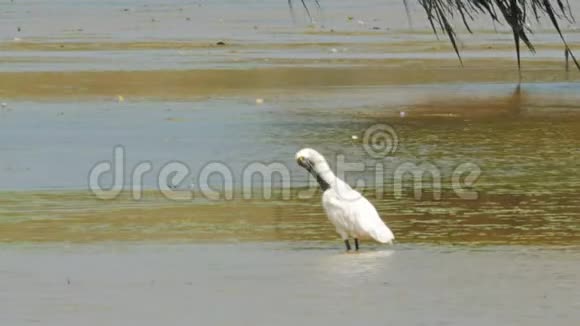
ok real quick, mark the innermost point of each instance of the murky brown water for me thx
(525, 142)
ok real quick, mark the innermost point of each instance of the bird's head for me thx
(311, 160)
(315, 163)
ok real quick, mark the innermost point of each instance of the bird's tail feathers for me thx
(384, 236)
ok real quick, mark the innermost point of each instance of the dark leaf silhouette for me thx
(512, 12)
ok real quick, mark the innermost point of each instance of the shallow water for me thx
(288, 284)
(74, 89)
(525, 146)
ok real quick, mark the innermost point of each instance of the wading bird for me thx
(352, 215)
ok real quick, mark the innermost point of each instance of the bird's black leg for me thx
(347, 245)
(356, 244)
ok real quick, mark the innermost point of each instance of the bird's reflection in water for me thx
(360, 266)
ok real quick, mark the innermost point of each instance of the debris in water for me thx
(4, 104)
(354, 137)
(402, 114)
(120, 98)
(333, 50)
(171, 119)
(259, 101)
(360, 22)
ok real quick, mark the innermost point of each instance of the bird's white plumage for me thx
(355, 218)
(351, 213)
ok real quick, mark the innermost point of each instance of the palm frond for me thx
(512, 12)
(305, 6)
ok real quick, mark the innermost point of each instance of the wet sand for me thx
(196, 84)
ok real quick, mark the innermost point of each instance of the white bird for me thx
(351, 213)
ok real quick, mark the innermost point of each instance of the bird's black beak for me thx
(304, 163)
(309, 166)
